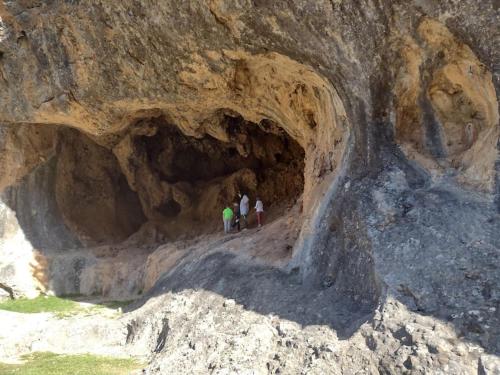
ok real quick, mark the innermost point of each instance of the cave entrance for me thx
(94, 191)
(184, 182)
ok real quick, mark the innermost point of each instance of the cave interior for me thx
(94, 191)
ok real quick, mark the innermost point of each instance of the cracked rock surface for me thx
(370, 129)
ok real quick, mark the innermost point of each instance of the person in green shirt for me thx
(227, 217)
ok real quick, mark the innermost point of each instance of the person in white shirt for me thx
(259, 208)
(244, 208)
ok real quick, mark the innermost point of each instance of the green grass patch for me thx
(40, 304)
(56, 364)
(61, 307)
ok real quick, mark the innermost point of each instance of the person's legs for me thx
(259, 219)
(227, 225)
(236, 223)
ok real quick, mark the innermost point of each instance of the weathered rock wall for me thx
(394, 104)
(260, 60)
(343, 79)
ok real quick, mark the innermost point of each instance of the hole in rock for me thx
(184, 182)
(91, 191)
(78, 196)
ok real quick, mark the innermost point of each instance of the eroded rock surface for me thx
(369, 129)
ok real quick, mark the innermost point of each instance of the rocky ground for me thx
(93, 332)
(422, 298)
(435, 257)
(126, 127)
(231, 304)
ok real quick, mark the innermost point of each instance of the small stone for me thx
(329, 348)
(229, 303)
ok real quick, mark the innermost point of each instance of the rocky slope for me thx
(369, 128)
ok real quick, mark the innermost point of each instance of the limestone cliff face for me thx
(328, 73)
(443, 82)
(366, 122)
(98, 66)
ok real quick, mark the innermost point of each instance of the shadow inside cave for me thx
(34, 204)
(437, 255)
(439, 249)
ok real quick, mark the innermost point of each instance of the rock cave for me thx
(370, 130)
(179, 184)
